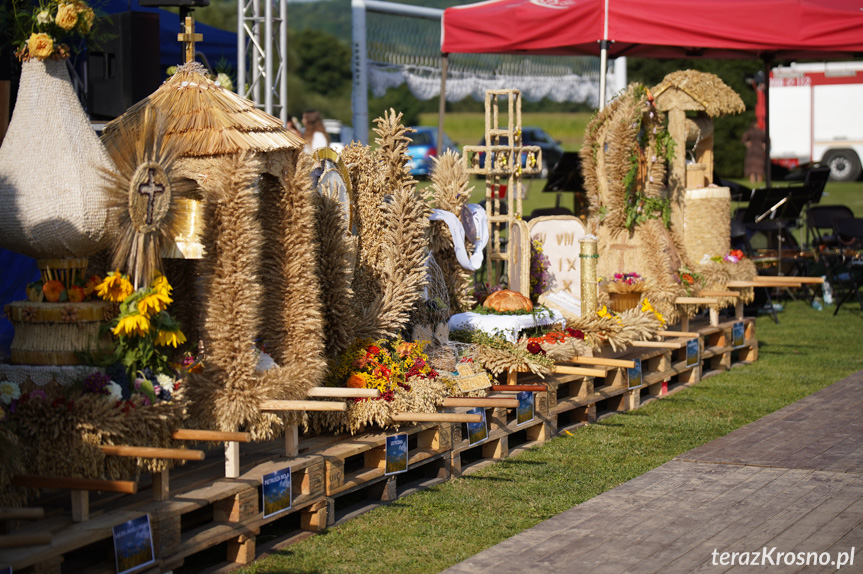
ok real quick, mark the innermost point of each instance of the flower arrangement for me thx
(623, 283)
(223, 74)
(540, 280)
(54, 291)
(384, 365)
(143, 326)
(45, 31)
(534, 344)
(733, 256)
(691, 281)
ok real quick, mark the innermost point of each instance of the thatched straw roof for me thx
(210, 119)
(708, 90)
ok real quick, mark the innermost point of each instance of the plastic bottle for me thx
(827, 290)
(816, 304)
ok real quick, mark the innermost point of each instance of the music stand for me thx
(779, 207)
(566, 176)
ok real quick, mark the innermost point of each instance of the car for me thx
(424, 147)
(340, 134)
(552, 151)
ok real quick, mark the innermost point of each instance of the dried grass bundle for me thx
(10, 465)
(336, 272)
(223, 395)
(141, 195)
(717, 274)
(393, 140)
(423, 397)
(706, 89)
(450, 191)
(206, 119)
(404, 273)
(293, 294)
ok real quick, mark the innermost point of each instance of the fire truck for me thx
(816, 115)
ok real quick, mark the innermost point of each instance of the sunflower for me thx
(172, 338)
(154, 303)
(132, 324)
(161, 285)
(115, 287)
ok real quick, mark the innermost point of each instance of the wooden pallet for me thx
(337, 477)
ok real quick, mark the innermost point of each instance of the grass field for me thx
(468, 129)
(431, 530)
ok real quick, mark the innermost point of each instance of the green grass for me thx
(469, 128)
(436, 528)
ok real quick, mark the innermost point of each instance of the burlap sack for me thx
(50, 200)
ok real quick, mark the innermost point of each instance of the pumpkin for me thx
(506, 300)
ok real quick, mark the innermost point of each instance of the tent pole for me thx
(768, 64)
(603, 71)
(444, 60)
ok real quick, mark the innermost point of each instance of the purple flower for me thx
(38, 394)
(96, 383)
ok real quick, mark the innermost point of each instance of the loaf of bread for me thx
(506, 300)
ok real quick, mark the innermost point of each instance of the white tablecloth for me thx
(507, 325)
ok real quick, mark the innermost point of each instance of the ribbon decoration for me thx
(472, 227)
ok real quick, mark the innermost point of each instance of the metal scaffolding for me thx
(262, 45)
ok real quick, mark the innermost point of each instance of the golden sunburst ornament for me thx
(143, 194)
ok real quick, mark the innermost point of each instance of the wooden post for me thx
(738, 309)
(80, 505)
(161, 485)
(714, 317)
(232, 459)
(292, 441)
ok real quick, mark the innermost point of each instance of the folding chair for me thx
(740, 240)
(849, 233)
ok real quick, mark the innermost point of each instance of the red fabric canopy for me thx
(779, 29)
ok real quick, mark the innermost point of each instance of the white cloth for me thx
(319, 140)
(472, 227)
(507, 325)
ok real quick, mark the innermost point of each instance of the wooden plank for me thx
(486, 402)
(340, 392)
(602, 361)
(695, 301)
(20, 540)
(210, 435)
(717, 293)
(583, 371)
(687, 334)
(519, 388)
(303, 406)
(24, 513)
(152, 452)
(659, 344)
(33, 481)
(788, 279)
(436, 418)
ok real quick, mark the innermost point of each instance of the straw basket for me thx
(620, 302)
(50, 161)
(55, 333)
(67, 271)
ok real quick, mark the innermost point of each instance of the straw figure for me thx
(623, 161)
(700, 210)
(374, 278)
(450, 191)
(259, 240)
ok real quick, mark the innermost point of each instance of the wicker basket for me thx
(55, 333)
(67, 271)
(620, 302)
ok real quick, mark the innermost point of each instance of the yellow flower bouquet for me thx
(47, 30)
(144, 327)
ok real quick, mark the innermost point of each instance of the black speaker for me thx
(126, 70)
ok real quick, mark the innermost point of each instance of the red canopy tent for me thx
(785, 29)
(763, 29)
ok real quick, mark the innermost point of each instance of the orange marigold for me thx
(356, 382)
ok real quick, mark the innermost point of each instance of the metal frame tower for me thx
(262, 44)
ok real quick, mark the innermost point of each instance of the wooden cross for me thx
(189, 38)
(622, 248)
(150, 188)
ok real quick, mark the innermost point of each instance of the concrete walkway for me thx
(791, 482)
